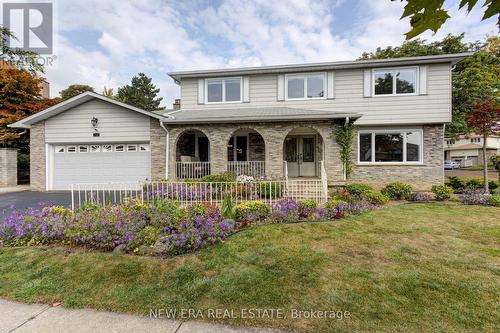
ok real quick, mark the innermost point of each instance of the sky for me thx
(105, 43)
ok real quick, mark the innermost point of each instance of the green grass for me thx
(407, 268)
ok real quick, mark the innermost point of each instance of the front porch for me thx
(263, 152)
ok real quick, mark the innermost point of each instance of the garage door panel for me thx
(100, 167)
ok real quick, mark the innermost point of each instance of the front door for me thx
(300, 154)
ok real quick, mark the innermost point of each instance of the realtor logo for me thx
(32, 25)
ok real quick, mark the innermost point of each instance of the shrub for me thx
(421, 196)
(285, 210)
(473, 184)
(225, 177)
(492, 185)
(269, 190)
(494, 200)
(476, 197)
(334, 203)
(307, 207)
(251, 211)
(442, 192)
(358, 189)
(456, 183)
(228, 208)
(375, 198)
(397, 191)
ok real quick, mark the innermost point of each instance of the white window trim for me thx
(95, 151)
(392, 131)
(60, 147)
(145, 146)
(83, 146)
(72, 152)
(394, 69)
(304, 76)
(223, 79)
(107, 151)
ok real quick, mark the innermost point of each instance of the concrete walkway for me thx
(41, 318)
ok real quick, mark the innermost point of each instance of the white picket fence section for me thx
(255, 169)
(186, 193)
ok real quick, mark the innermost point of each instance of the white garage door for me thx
(100, 163)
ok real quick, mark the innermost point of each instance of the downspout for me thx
(166, 148)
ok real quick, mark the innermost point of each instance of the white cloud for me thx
(154, 36)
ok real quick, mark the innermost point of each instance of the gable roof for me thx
(75, 101)
(468, 146)
(296, 68)
(261, 114)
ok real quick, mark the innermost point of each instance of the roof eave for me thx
(261, 120)
(448, 58)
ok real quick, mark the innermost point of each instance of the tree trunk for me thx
(485, 165)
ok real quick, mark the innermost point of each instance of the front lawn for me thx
(407, 268)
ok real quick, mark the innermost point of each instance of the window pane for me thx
(388, 148)
(383, 83)
(405, 81)
(365, 147)
(296, 88)
(233, 91)
(315, 86)
(214, 93)
(413, 146)
(308, 149)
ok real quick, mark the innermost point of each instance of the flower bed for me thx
(160, 228)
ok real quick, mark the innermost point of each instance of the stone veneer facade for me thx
(421, 177)
(158, 147)
(37, 157)
(8, 167)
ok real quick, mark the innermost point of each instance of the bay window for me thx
(305, 86)
(401, 81)
(390, 146)
(227, 90)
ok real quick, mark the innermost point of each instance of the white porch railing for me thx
(255, 169)
(187, 193)
(191, 169)
(324, 179)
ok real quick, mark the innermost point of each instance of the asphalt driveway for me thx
(26, 199)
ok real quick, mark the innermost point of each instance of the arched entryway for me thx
(246, 153)
(303, 152)
(192, 154)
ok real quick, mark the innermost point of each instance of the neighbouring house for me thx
(468, 149)
(273, 122)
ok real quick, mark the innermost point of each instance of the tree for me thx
(474, 79)
(15, 57)
(142, 93)
(485, 120)
(108, 92)
(74, 90)
(430, 14)
(20, 96)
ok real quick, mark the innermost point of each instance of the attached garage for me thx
(100, 163)
(92, 139)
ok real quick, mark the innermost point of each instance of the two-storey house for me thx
(468, 149)
(271, 122)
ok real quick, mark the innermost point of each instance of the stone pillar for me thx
(158, 145)
(37, 157)
(274, 136)
(218, 150)
(8, 167)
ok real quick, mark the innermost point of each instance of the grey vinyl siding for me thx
(434, 107)
(116, 124)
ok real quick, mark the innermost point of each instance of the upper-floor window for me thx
(399, 81)
(450, 142)
(223, 90)
(475, 140)
(305, 86)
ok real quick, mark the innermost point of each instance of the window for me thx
(95, 148)
(475, 140)
(305, 86)
(83, 149)
(143, 148)
(450, 142)
(107, 148)
(131, 148)
(390, 146)
(119, 148)
(60, 149)
(71, 149)
(223, 90)
(395, 81)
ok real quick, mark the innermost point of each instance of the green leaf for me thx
(470, 4)
(427, 21)
(493, 9)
